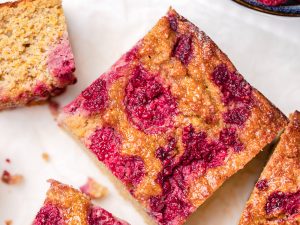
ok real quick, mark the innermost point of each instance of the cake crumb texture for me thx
(35, 54)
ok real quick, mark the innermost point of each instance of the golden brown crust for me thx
(199, 101)
(266, 120)
(281, 174)
(74, 204)
(68, 206)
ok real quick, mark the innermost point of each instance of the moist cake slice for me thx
(172, 119)
(35, 54)
(66, 206)
(276, 196)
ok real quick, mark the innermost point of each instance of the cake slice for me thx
(172, 120)
(65, 205)
(35, 54)
(276, 196)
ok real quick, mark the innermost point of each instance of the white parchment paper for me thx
(265, 49)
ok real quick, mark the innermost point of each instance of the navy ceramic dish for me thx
(291, 8)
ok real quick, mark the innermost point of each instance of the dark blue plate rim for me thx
(284, 10)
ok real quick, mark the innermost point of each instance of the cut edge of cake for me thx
(43, 58)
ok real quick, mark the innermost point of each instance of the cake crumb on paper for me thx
(46, 156)
(93, 189)
(10, 179)
(8, 222)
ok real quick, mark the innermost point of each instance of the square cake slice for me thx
(172, 119)
(65, 205)
(35, 54)
(276, 196)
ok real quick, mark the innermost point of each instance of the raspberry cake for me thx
(36, 57)
(172, 120)
(276, 196)
(66, 206)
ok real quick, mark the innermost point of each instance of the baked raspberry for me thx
(229, 138)
(288, 203)
(200, 154)
(105, 143)
(41, 89)
(99, 216)
(95, 97)
(262, 185)
(237, 116)
(92, 100)
(179, 117)
(233, 87)
(65, 204)
(280, 200)
(199, 148)
(171, 205)
(183, 48)
(49, 215)
(272, 2)
(150, 106)
(61, 62)
(173, 21)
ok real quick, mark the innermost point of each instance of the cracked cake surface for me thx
(35, 54)
(276, 196)
(172, 119)
(65, 205)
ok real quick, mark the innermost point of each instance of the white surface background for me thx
(265, 49)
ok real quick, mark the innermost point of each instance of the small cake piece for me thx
(93, 189)
(35, 54)
(65, 205)
(46, 156)
(10, 179)
(276, 196)
(172, 119)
